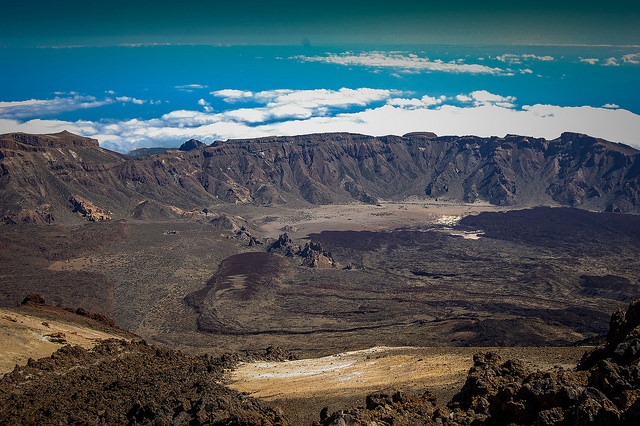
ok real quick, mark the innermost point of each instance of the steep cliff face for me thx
(572, 170)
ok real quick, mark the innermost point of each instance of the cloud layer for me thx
(401, 61)
(362, 110)
(18, 110)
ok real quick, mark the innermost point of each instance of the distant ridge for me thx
(573, 170)
(28, 142)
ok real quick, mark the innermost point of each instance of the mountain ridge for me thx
(329, 168)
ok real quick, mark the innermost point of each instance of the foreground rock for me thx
(119, 382)
(603, 390)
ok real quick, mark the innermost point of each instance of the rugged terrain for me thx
(544, 276)
(63, 176)
(320, 244)
(120, 382)
(131, 382)
(604, 389)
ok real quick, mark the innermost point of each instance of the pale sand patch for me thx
(359, 372)
(357, 217)
(373, 368)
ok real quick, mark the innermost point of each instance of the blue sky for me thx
(135, 74)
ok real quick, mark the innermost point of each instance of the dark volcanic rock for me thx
(312, 254)
(242, 279)
(33, 299)
(126, 383)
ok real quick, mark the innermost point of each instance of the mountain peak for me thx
(191, 144)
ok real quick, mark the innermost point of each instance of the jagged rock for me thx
(284, 245)
(87, 209)
(314, 256)
(388, 407)
(118, 382)
(623, 339)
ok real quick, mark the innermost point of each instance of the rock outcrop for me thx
(311, 254)
(88, 210)
(192, 144)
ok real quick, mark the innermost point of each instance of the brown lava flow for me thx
(245, 276)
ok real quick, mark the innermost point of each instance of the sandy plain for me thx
(299, 222)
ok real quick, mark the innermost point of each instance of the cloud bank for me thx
(511, 58)
(401, 61)
(362, 110)
(18, 110)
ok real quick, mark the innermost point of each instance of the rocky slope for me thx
(36, 329)
(119, 382)
(45, 173)
(101, 374)
(603, 390)
(132, 382)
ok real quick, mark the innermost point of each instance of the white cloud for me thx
(191, 87)
(483, 97)
(368, 111)
(429, 100)
(126, 99)
(631, 58)
(206, 105)
(511, 58)
(232, 95)
(297, 104)
(404, 62)
(414, 103)
(611, 62)
(591, 61)
(43, 107)
(323, 97)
